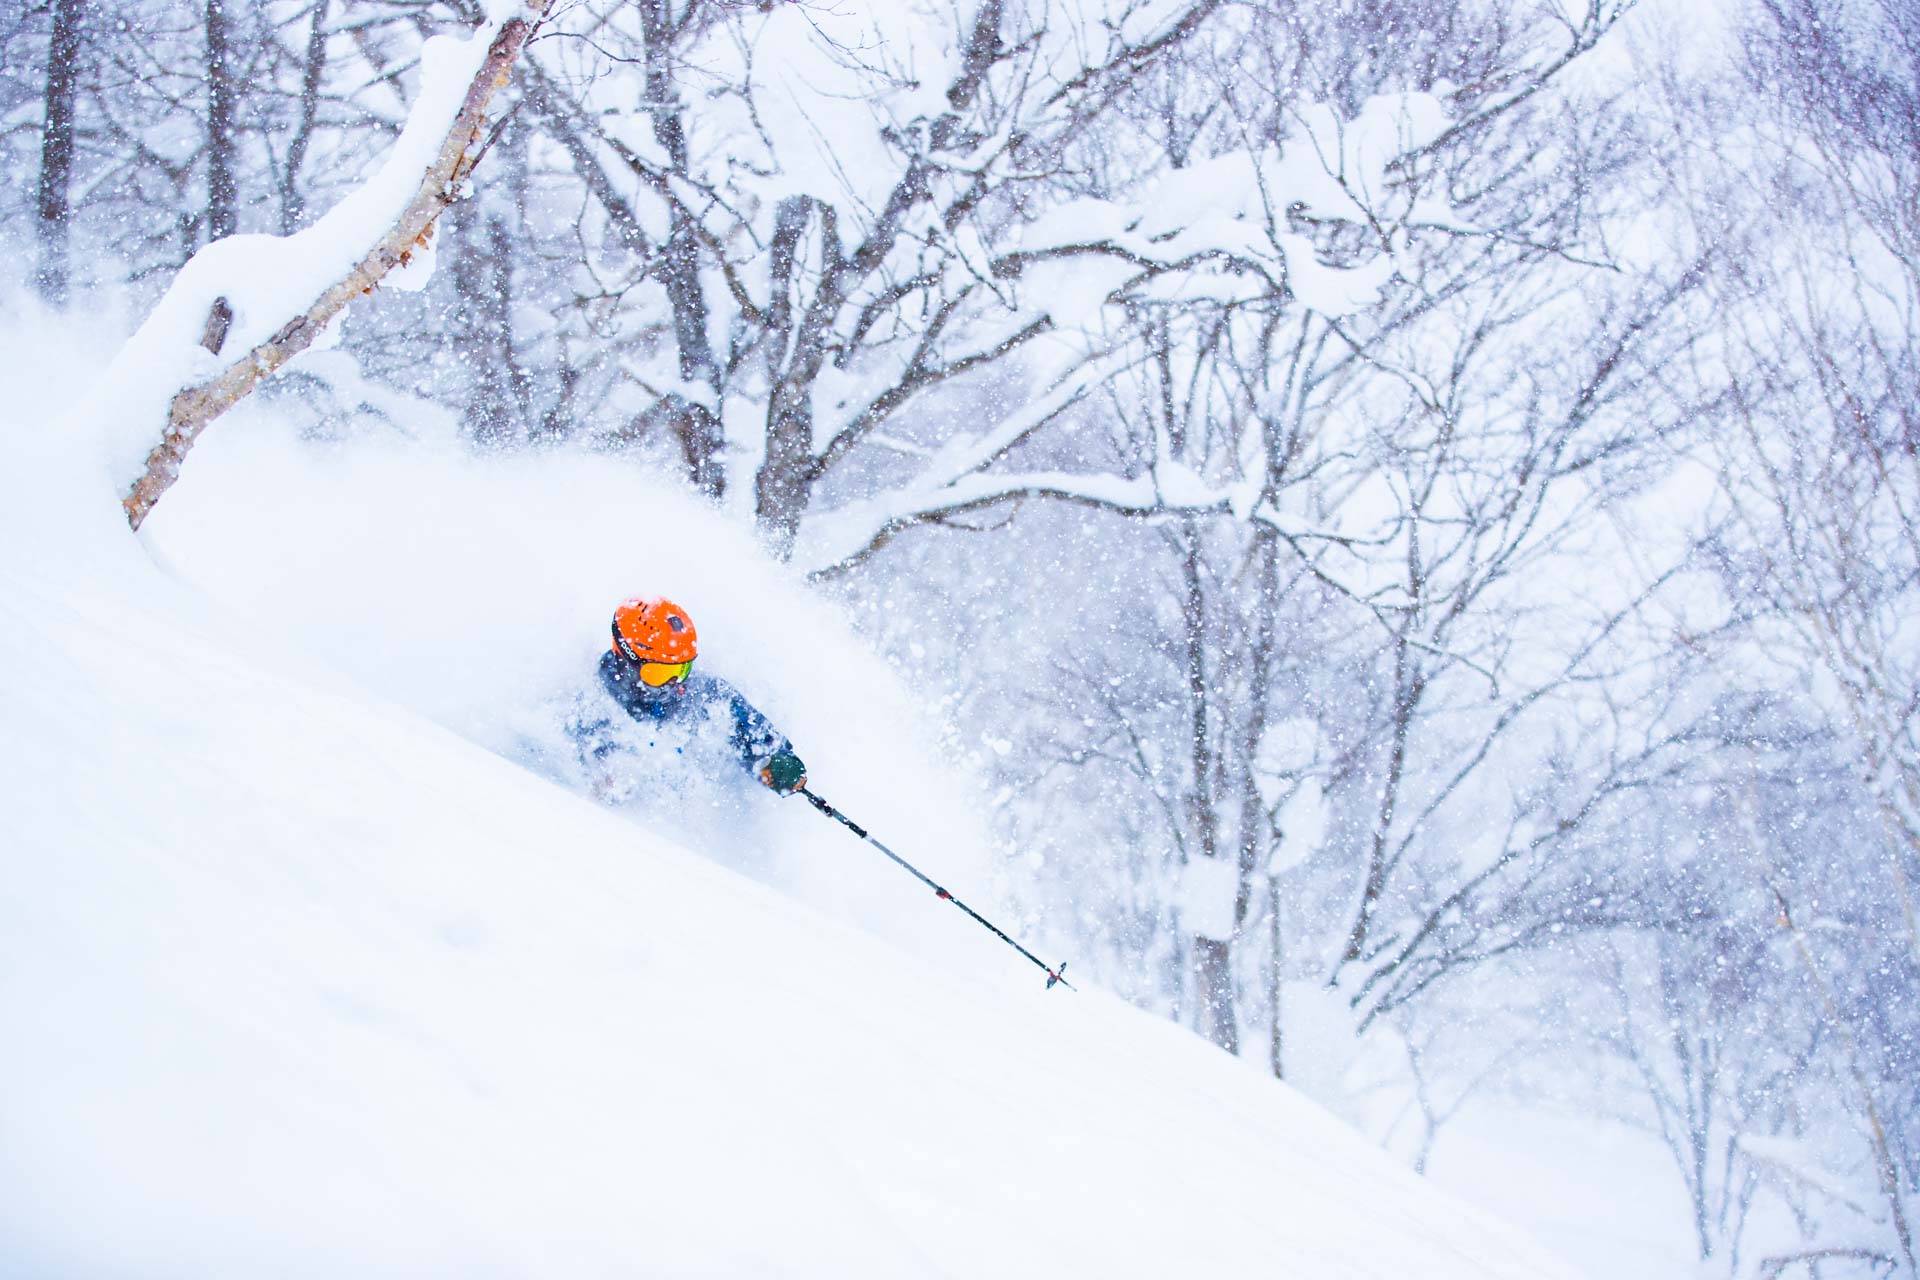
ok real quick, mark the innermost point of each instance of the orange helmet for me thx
(650, 629)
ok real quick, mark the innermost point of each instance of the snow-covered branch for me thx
(249, 284)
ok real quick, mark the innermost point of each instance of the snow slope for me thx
(300, 979)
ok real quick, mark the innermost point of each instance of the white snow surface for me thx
(299, 978)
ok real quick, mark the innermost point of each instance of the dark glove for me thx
(784, 773)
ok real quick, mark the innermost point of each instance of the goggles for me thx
(656, 674)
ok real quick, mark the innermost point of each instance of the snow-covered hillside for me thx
(300, 975)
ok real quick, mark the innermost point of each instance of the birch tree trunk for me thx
(197, 406)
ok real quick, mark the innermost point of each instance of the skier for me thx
(649, 673)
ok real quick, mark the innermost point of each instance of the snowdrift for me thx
(300, 976)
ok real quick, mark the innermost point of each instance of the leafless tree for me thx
(195, 407)
(56, 148)
(830, 314)
(1819, 475)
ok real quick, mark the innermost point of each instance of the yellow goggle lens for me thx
(659, 673)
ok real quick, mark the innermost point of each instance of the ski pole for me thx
(1053, 975)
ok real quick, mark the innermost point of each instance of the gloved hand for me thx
(783, 773)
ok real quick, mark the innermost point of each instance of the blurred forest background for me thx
(1411, 507)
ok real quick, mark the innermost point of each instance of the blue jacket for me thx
(753, 737)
